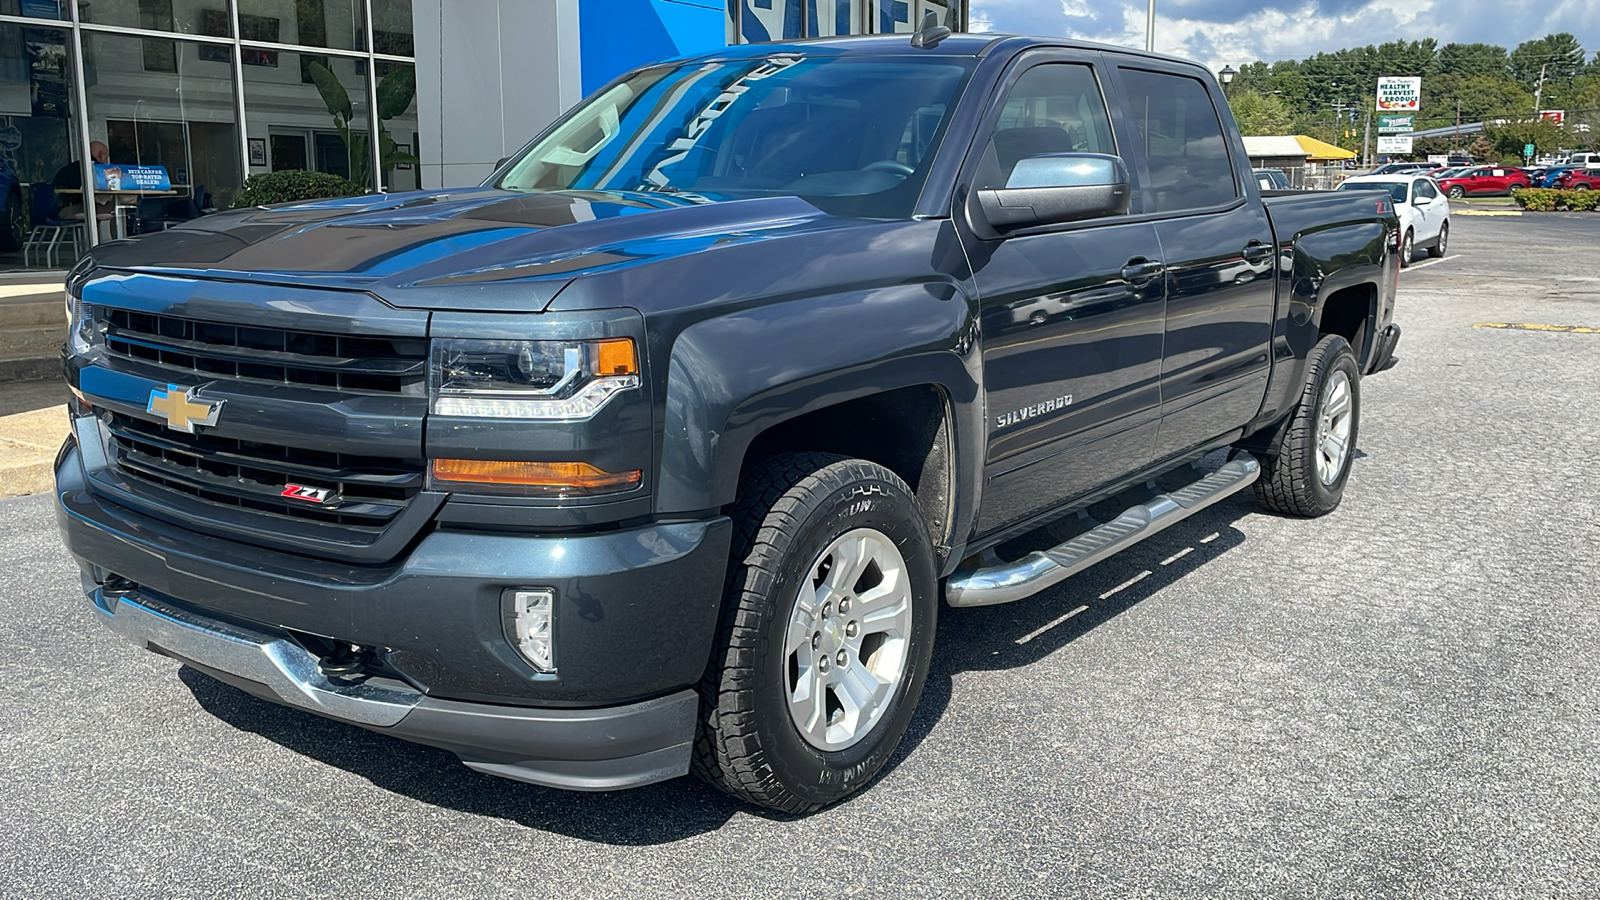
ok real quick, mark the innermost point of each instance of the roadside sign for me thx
(1399, 95)
(1398, 144)
(1397, 124)
(1439, 159)
(1558, 116)
(1527, 149)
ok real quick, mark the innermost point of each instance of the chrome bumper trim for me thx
(284, 668)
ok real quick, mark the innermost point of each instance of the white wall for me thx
(490, 75)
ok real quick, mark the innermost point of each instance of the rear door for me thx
(1218, 248)
(1071, 316)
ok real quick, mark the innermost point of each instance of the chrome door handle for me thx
(1256, 252)
(1142, 271)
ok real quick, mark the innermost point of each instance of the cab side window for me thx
(1183, 142)
(1053, 108)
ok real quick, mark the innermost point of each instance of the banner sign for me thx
(1394, 124)
(1558, 116)
(1394, 144)
(1439, 159)
(111, 177)
(1400, 95)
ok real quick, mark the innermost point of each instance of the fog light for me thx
(532, 621)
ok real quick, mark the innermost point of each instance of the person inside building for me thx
(70, 176)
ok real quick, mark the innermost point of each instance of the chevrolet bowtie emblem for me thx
(181, 410)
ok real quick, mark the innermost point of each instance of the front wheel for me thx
(1456, 192)
(1408, 249)
(1306, 474)
(826, 635)
(1443, 241)
(1580, 187)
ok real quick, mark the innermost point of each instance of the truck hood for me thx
(477, 248)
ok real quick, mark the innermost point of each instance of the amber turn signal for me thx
(558, 478)
(615, 358)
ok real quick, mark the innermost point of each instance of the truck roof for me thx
(959, 44)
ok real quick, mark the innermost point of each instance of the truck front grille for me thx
(347, 363)
(365, 492)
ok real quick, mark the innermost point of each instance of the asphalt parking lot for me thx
(1401, 699)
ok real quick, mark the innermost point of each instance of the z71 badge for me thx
(306, 493)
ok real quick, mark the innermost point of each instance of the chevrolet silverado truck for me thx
(658, 451)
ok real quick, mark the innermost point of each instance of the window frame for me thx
(994, 103)
(1139, 164)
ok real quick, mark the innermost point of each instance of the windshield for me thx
(855, 136)
(1396, 189)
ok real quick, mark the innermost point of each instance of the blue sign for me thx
(113, 177)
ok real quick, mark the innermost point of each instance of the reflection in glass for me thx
(312, 112)
(36, 137)
(392, 28)
(312, 23)
(156, 15)
(35, 9)
(182, 119)
(397, 123)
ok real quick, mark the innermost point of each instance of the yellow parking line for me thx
(1537, 326)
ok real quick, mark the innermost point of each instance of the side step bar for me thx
(1044, 568)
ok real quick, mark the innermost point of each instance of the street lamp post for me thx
(1150, 29)
(1226, 76)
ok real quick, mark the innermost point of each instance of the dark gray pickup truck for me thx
(659, 451)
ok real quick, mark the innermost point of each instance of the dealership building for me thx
(213, 91)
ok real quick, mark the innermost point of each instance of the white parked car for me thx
(1424, 212)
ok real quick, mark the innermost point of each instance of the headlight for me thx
(553, 380)
(83, 332)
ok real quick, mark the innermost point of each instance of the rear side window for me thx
(1188, 158)
(1424, 188)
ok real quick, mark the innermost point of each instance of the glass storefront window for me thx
(397, 121)
(756, 21)
(37, 148)
(183, 16)
(309, 112)
(35, 9)
(181, 119)
(337, 24)
(392, 28)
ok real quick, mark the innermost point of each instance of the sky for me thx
(1219, 32)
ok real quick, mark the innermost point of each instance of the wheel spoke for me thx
(808, 704)
(860, 692)
(850, 559)
(1333, 448)
(1339, 400)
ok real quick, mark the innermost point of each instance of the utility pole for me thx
(1538, 90)
(1458, 125)
(1366, 140)
(1150, 29)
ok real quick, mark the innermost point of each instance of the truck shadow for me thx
(970, 640)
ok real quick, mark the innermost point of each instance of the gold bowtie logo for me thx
(181, 410)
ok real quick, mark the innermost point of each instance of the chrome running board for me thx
(1041, 569)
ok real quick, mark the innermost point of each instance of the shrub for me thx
(1582, 201)
(1538, 199)
(292, 185)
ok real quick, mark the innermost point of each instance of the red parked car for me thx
(1579, 180)
(1484, 180)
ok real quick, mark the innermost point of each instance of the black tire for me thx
(1289, 483)
(15, 229)
(1443, 242)
(790, 510)
(1408, 249)
(1456, 192)
(1580, 187)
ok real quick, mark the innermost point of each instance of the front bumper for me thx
(579, 749)
(634, 621)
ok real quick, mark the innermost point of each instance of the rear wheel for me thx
(1580, 187)
(1456, 192)
(1408, 248)
(1307, 473)
(826, 635)
(1443, 241)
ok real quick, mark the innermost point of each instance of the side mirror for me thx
(1421, 201)
(502, 163)
(1055, 188)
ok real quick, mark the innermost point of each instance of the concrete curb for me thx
(28, 445)
(1485, 212)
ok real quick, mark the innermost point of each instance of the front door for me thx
(1217, 245)
(1071, 315)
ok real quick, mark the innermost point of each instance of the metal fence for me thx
(1317, 178)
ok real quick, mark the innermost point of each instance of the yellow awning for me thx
(1320, 150)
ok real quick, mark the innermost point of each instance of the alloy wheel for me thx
(1333, 428)
(846, 646)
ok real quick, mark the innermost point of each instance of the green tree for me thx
(1472, 59)
(1559, 57)
(1511, 135)
(1259, 113)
